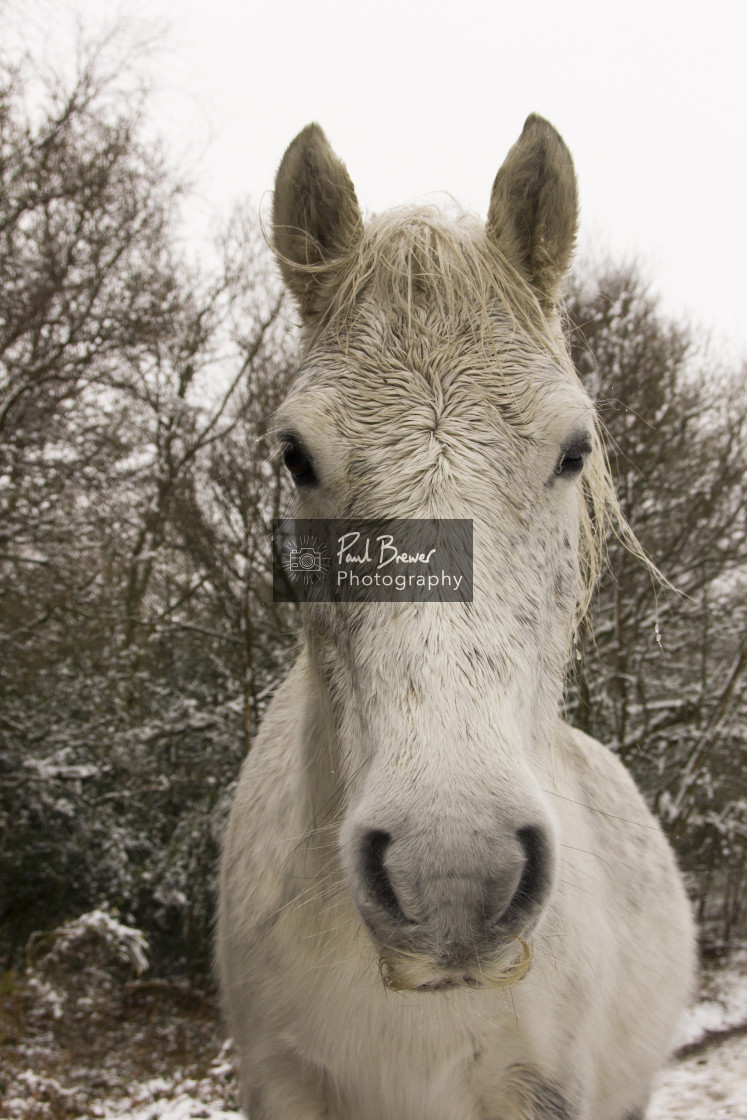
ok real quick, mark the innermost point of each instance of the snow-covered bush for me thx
(96, 940)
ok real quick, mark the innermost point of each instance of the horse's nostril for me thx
(373, 847)
(535, 878)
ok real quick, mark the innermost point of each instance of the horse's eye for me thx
(298, 463)
(573, 456)
(569, 466)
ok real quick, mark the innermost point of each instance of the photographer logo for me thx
(305, 560)
(384, 560)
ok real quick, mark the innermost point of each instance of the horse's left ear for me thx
(316, 218)
(533, 212)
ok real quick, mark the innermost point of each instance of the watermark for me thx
(384, 561)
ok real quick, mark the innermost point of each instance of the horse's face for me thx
(442, 715)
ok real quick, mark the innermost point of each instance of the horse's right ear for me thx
(316, 218)
(533, 211)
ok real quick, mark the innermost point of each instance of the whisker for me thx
(602, 812)
(595, 855)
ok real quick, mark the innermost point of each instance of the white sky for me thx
(425, 97)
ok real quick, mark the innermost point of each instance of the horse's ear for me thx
(533, 211)
(316, 218)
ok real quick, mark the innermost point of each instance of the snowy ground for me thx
(711, 1085)
(707, 1086)
(711, 1082)
(708, 1082)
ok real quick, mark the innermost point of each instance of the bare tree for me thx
(135, 497)
(665, 682)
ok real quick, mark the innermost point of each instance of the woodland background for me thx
(139, 644)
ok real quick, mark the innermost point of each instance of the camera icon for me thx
(305, 560)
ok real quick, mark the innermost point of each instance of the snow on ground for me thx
(158, 1100)
(725, 1004)
(711, 1085)
(162, 1098)
(708, 1083)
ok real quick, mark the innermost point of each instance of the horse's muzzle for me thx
(455, 901)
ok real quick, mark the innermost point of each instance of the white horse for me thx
(438, 901)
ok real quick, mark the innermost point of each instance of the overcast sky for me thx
(420, 98)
